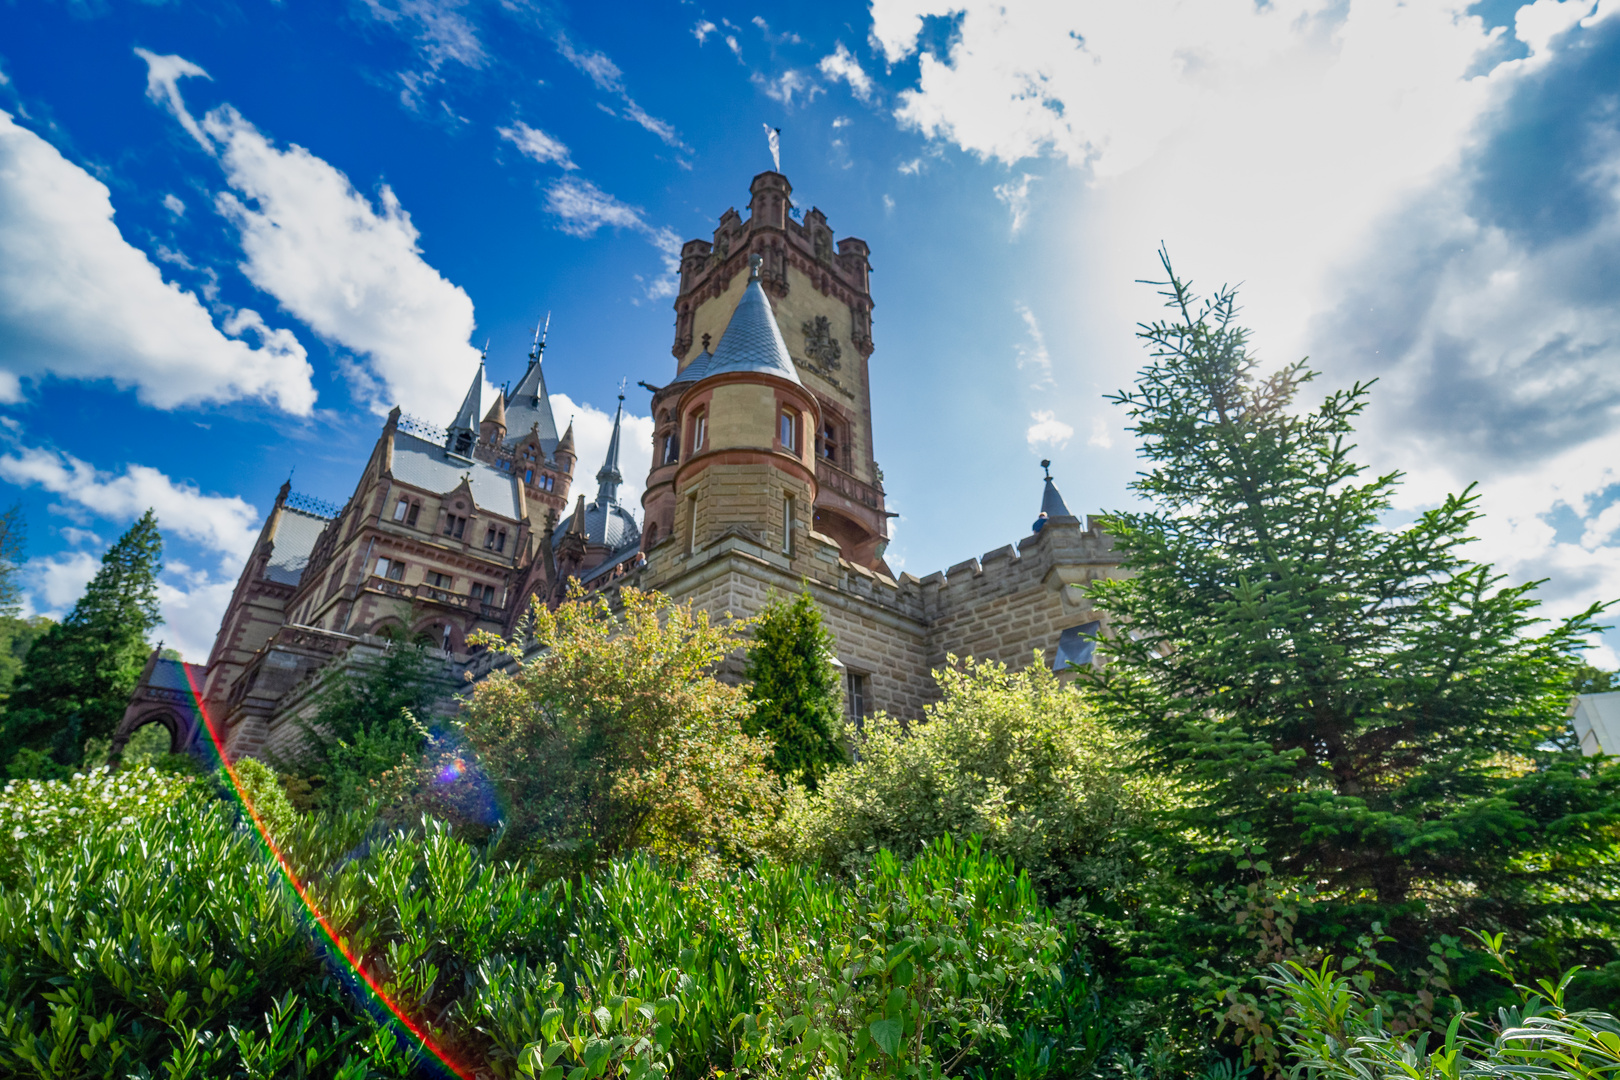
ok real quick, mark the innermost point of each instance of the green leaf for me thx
(886, 1034)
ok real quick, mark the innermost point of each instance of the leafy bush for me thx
(261, 789)
(1014, 757)
(44, 816)
(1332, 1034)
(172, 948)
(611, 736)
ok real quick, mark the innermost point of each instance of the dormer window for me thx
(789, 431)
(455, 525)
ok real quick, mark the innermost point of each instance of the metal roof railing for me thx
(309, 504)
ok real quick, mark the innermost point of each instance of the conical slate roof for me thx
(1052, 504)
(497, 411)
(604, 521)
(752, 341)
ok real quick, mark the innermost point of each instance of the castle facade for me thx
(763, 479)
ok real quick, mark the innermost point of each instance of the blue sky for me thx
(232, 234)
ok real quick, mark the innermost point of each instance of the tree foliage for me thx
(76, 681)
(1376, 711)
(798, 704)
(1015, 758)
(609, 734)
(367, 720)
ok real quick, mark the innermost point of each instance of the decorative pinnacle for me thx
(1046, 465)
(540, 333)
(485, 354)
(755, 261)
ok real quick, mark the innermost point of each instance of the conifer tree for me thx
(76, 680)
(795, 690)
(1378, 714)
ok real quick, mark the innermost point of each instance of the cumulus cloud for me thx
(537, 144)
(1015, 193)
(593, 428)
(225, 524)
(703, 29)
(841, 65)
(78, 301)
(1484, 304)
(349, 269)
(1046, 428)
(581, 208)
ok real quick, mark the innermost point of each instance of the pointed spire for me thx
(608, 477)
(497, 412)
(528, 405)
(1052, 504)
(463, 430)
(566, 445)
(752, 341)
(576, 527)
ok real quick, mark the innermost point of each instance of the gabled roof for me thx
(529, 405)
(752, 341)
(294, 540)
(431, 467)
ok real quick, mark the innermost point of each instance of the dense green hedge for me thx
(171, 946)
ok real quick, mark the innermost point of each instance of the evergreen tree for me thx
(1379, 715)
(76, 681)
(795, 691)
(17, 635)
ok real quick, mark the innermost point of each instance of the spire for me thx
(608, 478)
(1052, 504)
(463, 430)
(528, 406)
(566, 445)
(576, 527)
(497, 412)
(752, 341)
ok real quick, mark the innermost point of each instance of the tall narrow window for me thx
(700, 428)
(455, 525)
(790, 431)
(403, 508)
(829, 442)
(787, 525)
(691, 524)
(672, 448)
(857, 691)
(410, 518)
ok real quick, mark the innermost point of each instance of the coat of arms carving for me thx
(819, 344)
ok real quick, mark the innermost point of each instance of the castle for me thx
(763, 478)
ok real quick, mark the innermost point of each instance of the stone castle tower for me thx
(763, 481)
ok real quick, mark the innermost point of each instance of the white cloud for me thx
(1100, 436)
(222, 523)
(537, 144)
(785, 86)
(442, 34)
(593, 428)
(77, 537)
(841, 64)
(610, 79)
(785, 38)
(1015, 193)
(174, 205)
(77, 301)
(351, 271)
(841, 122)
(1034, 354)
(888, 204)
(54, 583)
(736, 49)
(163, 75)
(581, 208)
(1047, 428)
(912, 167)
(702, 30)
(192, 606)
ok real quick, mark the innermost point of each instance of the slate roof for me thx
(430, 467)
(294, 540)
(1052, 504)
(695, 370)
(618, 558)
(608, 525)
(529, 404)
(171, 675)
(752, 341)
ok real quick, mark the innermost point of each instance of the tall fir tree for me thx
(77, 678)
(1376, 712)
(795, 689)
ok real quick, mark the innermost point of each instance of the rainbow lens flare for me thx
(376, 999)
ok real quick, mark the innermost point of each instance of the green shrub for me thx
(172, 947)
(261, 789)
(1013, 757)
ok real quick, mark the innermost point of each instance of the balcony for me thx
(831, 478)
(433, 595)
